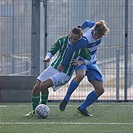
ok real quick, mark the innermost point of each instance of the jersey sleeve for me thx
(56, 46)
(87, 24)
(83, 42)
(49, 55)
(85, 54)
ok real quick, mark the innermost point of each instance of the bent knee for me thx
(79, 77)
(101, 91)
(36, 89)
(46, 84)
(43, 84)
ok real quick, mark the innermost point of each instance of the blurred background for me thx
(28, 29)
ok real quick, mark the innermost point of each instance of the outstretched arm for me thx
(87, 24)
(47, 57)
(78, 45)
(56, 46)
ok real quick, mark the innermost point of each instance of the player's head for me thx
(75, 35)
(100, 29)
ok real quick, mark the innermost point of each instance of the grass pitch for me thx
(108, 118)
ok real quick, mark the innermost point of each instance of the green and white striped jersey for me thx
(61, 46)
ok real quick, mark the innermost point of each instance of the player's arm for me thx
(78, 62)
(85, 54)
(47, 57)
(55, 47)
(87, 24)
(78, 45)
(83, 42)
(85, 58)
(52, 51)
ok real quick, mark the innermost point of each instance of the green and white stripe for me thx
(61, 45)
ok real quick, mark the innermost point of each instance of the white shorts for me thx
(58, 78)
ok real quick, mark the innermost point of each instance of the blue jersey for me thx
(86, 41)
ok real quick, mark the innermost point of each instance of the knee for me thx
(101, 91)
(79, 77)
(36, 89)
(43, 85)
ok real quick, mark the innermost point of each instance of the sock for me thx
(44, 98)
(91, 98)
(73, 85)
(35, 101)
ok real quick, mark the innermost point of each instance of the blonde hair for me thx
(101, 28)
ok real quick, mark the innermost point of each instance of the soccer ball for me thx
(42, 111)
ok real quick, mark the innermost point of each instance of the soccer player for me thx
(91, 40)
(51, 77)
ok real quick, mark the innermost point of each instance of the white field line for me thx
(61, 123)
(106, 104)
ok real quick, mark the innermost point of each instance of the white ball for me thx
(42, 111)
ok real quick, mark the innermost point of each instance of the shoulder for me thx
(63, 40)
(63, 37)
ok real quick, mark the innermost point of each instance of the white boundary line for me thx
(121, 105)
(61, 123)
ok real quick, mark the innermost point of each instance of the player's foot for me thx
(63, 104)
(31, 113)
(83, 112)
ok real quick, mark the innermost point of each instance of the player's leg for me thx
(95, 78)
(36, 89)
(93, 96)
(44, 90)
(35, 98)
(53, 81)
(98, 86)
(80, 74)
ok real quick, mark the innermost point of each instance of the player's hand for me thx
(46, 59)
(60, 68)
(77, 62)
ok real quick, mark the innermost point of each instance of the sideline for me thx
(61, 123)
(70, 105)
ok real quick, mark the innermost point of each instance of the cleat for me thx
(31, 113)
(83, 112)
(63, 104)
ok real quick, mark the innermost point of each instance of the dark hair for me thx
(77, 30)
